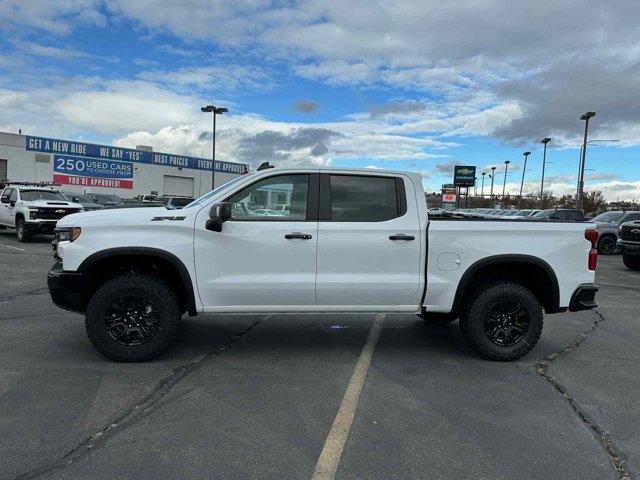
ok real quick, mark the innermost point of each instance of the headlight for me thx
(68, 234)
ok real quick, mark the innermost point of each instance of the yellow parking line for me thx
(16, 248)
(327, 464)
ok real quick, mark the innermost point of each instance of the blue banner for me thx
(92, 167)
(106, 152)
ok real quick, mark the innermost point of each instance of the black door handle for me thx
(302, 236)
(402, 236)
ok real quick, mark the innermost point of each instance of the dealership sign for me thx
(464, 176)
(105, 152)
(92, 172)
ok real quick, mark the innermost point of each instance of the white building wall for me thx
(21, 166)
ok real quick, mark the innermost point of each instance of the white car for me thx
(355, 240)
(33, 209)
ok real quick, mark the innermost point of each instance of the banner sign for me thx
(92, 167)
(105, 152)
(449, 195)
(464, 176)
(92, 181)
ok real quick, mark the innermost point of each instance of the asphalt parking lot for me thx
(258, 397)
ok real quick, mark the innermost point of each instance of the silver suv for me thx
(607, 224)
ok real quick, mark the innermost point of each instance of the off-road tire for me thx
(632, 262)
(474, 312)
(607, 245)
(151, 287)
(22, 233)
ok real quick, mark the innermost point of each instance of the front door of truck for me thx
(265, 256)
(369, 242)
(7, 213)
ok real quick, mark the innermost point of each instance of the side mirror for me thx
(218, 214)
(13, 204)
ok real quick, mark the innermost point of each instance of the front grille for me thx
(54, 213)
(630, 232)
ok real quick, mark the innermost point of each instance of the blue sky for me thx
(404, 85)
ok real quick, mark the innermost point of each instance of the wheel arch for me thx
(539, 278)
(105, 264)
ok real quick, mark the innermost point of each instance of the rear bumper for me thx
(629, 248)
(66, 288)
(584, 298)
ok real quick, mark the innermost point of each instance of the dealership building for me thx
(86, 167)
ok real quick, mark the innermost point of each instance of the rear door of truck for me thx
(369, 242)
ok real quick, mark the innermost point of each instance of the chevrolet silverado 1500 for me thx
(317, 240)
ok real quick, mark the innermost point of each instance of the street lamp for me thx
(595, 140)
(544, 160)
(526, 155)
(482, 187)
(585, 116)
(493, 174)
(506, 167)
(215, 111)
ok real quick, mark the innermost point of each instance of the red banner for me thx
(92, 181)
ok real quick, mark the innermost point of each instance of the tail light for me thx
(592, 235)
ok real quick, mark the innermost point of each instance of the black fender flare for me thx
(509, 258)
(185, 278)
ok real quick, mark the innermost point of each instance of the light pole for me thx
(215, 111)
(482, 187)
(526, 155)
(544, 161)
(493, 174)
(595, 140)
(504, 183)
(585, 116)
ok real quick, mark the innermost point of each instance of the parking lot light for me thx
(585, 116)
(544, 160)
(506, 168)
(482, 187)
(524, 169)
(214, 111)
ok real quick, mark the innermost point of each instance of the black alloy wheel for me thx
(131, 320)
(506, 323)
(606, 245)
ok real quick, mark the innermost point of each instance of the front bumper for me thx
(66, 288)
(628, 248)
(584, 298)
(40, 226)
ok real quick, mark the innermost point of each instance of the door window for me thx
(360, 198)
(631, 217)
(6, 194)
(14, 196)
(283, 197)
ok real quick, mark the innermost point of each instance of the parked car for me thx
(87, 201)
(337, 251)
(33, 209)
(105, 199)
(608, 224)
(629, 244)
(560, 214)
(175, 202)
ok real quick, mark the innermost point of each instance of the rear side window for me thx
(574, 216)
(360, 198)
(631, 217)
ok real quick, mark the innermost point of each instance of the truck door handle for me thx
(402, 236)
(301, 236)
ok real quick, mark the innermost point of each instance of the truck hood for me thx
(51, 204)
(119, 216)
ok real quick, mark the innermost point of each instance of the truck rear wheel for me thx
(22, 233)
(632, 262)
(607, 245)
(133, 318)
(502, 321)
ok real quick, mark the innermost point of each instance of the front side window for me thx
(631, 217)
(283, 197)
(363, 198)
(14, 196)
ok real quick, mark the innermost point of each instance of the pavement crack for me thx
(542, 368)
(154, 400)
(23, 294)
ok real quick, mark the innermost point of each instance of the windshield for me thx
(608, 217)
(215, 191)
(30, 195)
(523, 213)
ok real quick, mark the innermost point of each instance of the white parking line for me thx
(329, 460)
(16, 248)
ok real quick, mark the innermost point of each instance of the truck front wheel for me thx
(133, 318)
(632, 262)
(22, 232)
(502, 321)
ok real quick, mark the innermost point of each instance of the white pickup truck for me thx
(346, 241)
